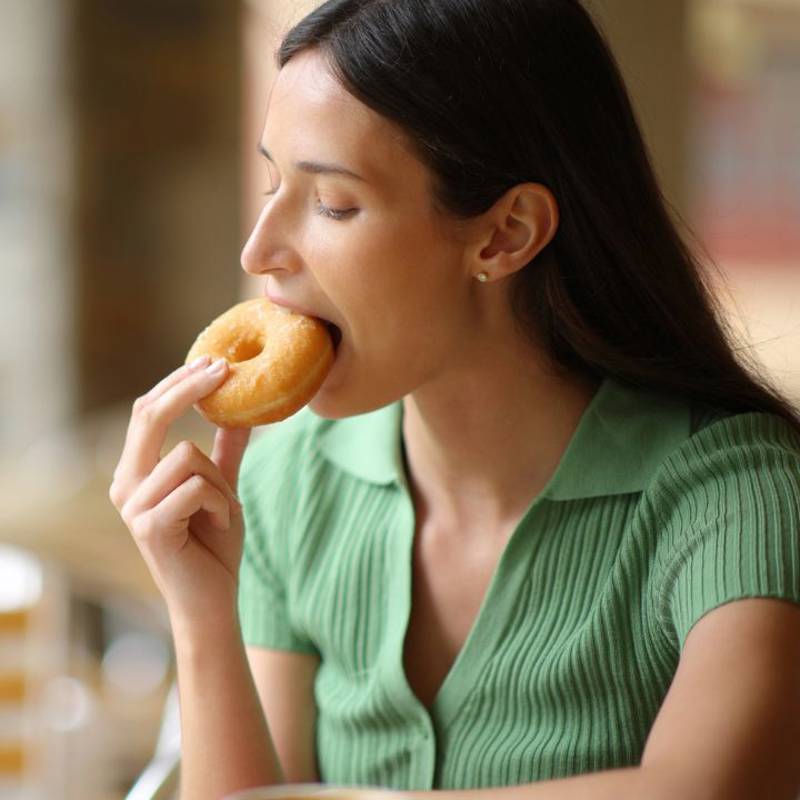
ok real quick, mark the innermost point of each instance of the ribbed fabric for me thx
(656, 514)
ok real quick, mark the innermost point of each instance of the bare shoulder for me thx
(732, 715)
(285, 684)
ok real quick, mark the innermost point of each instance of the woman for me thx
(538, 529)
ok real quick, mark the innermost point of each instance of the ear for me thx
(513, 231)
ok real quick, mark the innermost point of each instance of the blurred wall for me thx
(746, 132)
(650, 42)
(37, 347)
(157, 117)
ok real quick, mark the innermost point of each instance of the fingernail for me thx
(217, 367)
(199, 362)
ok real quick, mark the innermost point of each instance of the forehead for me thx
(311, 116)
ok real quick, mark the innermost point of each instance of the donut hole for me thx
(246, 349)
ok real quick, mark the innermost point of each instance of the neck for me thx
(484, 440)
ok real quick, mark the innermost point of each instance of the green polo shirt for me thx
(658, 511)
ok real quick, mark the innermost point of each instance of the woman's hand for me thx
(181, 509)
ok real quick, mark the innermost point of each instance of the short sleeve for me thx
(732, 527)
(264, 600)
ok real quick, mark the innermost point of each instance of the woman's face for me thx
(368, 254)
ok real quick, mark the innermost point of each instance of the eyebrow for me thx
(316, 167)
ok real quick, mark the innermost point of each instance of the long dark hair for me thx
(492, 93)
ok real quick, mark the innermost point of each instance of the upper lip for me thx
(280, 301)
(335, 330)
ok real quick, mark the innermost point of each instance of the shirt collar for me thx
(624, 434)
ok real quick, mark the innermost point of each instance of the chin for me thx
(328, 410)
(328, 406)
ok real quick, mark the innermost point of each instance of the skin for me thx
(399, 281)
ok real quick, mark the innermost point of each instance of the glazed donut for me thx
(277, 360)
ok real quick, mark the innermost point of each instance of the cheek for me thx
(391, 275)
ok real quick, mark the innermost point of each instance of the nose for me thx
(264, 251)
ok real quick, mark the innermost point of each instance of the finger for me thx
(173, 513)
(151, 420)
(229, 447)
(177, 376)
(178, 466)
(157, 391)
(193, 495)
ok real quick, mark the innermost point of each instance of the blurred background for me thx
(128, 183)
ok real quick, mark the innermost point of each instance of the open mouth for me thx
(335, 332)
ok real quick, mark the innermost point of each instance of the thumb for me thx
(229, 447)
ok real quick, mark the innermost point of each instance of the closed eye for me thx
(323, 210)
(334, 213)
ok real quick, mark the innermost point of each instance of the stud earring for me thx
(482, 277)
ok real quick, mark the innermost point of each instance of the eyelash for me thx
(323, 210)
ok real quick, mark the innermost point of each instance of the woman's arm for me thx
(188, 525)
(225, 741)
(729, 728)
(285, 684)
